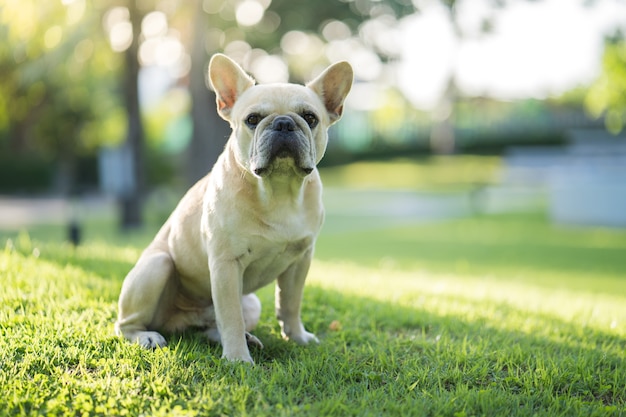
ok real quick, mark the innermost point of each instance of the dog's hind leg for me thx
(251, 307)
(144, 297)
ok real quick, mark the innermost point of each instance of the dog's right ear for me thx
(228, 80)
(332, 86)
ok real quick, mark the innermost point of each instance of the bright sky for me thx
(536, 49)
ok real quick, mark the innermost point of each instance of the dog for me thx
(252, 220)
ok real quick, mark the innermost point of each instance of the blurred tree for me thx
(56, 81)
(210, 131)
(303, 15)
(60, 84)
(132, 200)
(606, 96)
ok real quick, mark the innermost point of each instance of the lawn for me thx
(486, 315)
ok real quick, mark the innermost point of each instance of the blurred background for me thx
(458, 106)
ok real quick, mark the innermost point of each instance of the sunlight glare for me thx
(249, 13)
(169, 51)
(532, 49)
(336, 30)
(154, 24)
(427, 46)
(147, 51)
(121, 36)
(75, 11)
(237, 50)
(53, 36)
(366, 64)
(365, 97)
(117, 24)
(212, 6)
(382, 32)
(114, 16)
(269, 69)
(516, 62)
(295, 42)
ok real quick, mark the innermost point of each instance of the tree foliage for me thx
(56, 78)
(606, 96)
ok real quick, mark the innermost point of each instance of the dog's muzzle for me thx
(283, 143)
(283, 139)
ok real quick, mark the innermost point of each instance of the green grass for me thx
(469, 317)
(439, 173)
(490, 315)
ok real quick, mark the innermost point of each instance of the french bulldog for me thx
(252, 220)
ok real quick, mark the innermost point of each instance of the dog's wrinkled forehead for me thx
(266, 99)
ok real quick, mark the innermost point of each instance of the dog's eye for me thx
(310, 119)
(253, 120)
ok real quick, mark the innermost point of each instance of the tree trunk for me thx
(210, 131)
(131, 202)
(442, 134)
(65, 178)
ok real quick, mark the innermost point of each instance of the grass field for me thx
(489, 315)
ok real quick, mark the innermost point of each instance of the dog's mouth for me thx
(283, 163)
(283, 150)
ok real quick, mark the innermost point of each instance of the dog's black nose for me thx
(283, 124)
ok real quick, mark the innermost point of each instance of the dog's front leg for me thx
(226, 289)
(289, 290)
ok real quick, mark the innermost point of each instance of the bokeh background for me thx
(458, 107)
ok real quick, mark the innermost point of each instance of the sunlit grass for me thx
(479, 298)
(520, 247)
(441, 173)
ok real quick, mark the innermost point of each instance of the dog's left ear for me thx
(333, 85)
(228, 80)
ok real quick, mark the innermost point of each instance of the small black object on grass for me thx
(74, 233)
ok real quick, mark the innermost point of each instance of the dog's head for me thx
(279, 128)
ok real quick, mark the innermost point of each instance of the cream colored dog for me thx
(254, 219)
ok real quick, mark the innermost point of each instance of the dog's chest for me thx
(265, 261)
(264, 235)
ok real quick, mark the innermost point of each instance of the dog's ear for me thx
(333, 85)
(228, 80)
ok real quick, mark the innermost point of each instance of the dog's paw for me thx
(238, 357)
(302, 338)
(253, 341)
(150, 340)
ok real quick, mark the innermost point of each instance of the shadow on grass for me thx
(418, 359)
